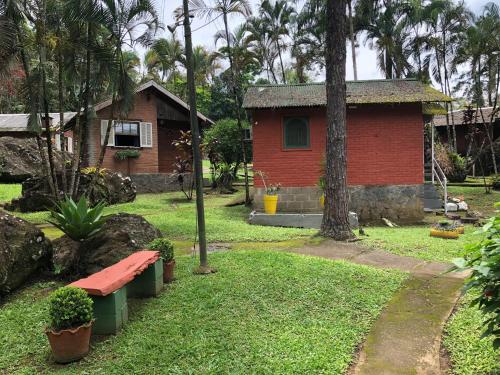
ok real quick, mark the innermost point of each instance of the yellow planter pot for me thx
(270, 204)
(460, 230)
(451, 234)
(322, 201)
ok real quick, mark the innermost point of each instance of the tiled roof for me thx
(458, 117)
(18, 122)
(358, 92)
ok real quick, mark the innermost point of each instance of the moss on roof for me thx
(358, 92)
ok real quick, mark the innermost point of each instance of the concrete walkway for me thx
(406, 338)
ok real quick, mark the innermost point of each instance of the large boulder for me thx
(121, 235)
(23, 251)
(20, 159)
(111, 187)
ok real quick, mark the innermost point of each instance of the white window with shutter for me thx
(146, 129)
(69, 145)
(104, 127)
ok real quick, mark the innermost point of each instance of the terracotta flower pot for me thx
(168, 271)
(70, 345)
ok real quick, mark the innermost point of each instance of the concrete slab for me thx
(295, 220)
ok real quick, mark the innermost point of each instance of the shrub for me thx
(495, 182)
(165, 247)
(454, 166)
(483, 259)
(69, 307)
(78, 221)
(127, 154)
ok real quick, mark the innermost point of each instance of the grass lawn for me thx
(175, 217)
(469, 354)
(9, 192)
(476, 198)
(263, 312)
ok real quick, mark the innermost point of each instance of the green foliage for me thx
(165, 247)
(483, 259)
(295, 307)
(495, 182)
(78, 220)
(223, 140)
(127, 154)
(69, 307)
(458, 172)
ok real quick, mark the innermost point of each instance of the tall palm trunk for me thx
(62, 140)
(31, 98)
(353, 42)
(336, 213)
(281, 61)
(238, 114)
(52, 177)
(446, 91)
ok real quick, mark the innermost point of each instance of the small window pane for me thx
(296, 131)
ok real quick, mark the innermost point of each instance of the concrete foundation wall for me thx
(400, 203)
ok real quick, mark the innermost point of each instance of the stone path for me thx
(406, 338)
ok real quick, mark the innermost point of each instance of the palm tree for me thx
(263, 46)
(205, 64)
(164, 55)
(243, 53)
(224, 8)
(276, 17)
(386, 33)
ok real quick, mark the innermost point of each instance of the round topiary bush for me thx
(69, 307)
(164, 247)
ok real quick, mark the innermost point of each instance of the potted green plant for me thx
(166, 250)
(271, 196)
(71, 318)
(444, 229)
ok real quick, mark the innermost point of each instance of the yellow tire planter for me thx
(270, 204)
(449, 234)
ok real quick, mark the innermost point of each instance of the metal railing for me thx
(438, 174)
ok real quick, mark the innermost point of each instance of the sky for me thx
(204, 35)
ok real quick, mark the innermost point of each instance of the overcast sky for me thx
(366, 58)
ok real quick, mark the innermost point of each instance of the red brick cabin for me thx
(385, 145)
(155, 121)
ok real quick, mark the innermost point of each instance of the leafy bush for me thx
(454, 166)
(483, 259)
(495, 182)
(127, 154)
(69, 307)
(165, 247)
(78, 221)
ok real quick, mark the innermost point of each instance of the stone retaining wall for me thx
(157, 182)
(399, 203)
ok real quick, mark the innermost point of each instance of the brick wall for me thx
(384, 146)
(166, 134)
(144, 110)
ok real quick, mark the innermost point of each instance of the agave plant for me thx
(78, 220)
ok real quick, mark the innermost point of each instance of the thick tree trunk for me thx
(336, 213)
(353, 42)
(238, 115)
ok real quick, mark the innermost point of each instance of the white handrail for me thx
(437, 173)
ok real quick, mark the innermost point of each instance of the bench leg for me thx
(110, 312)
(149, 283)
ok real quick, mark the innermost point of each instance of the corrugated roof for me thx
(18, 122)
(358, 92)
(458, 116)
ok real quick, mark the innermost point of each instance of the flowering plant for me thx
(271, 189)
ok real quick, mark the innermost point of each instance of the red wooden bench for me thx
(138, 275)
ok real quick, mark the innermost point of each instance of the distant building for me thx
(16, 125)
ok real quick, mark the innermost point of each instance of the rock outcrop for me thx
(121, 235)
(111, 187)
(23, 251)
(20, 159)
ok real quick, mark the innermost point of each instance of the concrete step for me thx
(433, 204)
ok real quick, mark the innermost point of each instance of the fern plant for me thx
(77, 220)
